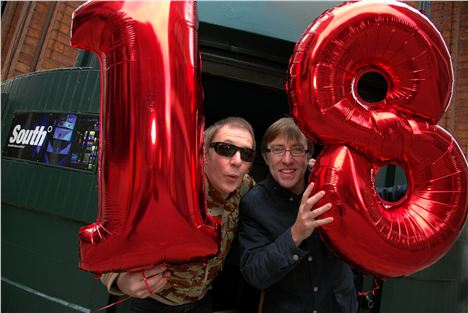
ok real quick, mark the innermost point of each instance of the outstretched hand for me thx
(307, 217)
(142, 284)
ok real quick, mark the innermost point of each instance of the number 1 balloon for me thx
(394, 43)
(150, 170)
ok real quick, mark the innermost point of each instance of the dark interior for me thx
(259, 105)
(243, 75)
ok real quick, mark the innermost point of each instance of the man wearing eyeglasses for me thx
(280, 251)
(229, 153)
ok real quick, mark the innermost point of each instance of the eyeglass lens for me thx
(296, 150)
(228, 150)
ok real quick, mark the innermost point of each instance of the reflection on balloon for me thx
(150, 175)
(398, 51)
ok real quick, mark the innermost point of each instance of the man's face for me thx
(288, 170)
(226, 173)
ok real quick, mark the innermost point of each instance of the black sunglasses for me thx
(228, 150)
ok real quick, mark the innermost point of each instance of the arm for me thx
(262, 262)
(265, 262)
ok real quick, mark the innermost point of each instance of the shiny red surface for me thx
(150, 172)
(388, 239)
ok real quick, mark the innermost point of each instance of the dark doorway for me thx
(243, 75)
(259, 105)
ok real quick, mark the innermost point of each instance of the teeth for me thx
(287, 171)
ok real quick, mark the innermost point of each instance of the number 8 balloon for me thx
(150, 170)
(394, 43)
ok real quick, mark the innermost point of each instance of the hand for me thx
(306, 220)
(133, 283)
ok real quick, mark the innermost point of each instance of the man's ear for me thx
(265, 158)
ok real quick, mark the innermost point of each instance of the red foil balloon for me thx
(397, 44)
(150, 172)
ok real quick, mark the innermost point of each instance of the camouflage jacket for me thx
(191, 281)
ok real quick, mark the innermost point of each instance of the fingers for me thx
(157, 278)
(131, 284)
(315, 198)
(307, 192)
(323, 221)
(319, 211)
(307, 203)
(305, 196)
(311, 162)
(307, 218)
(161, 268)
(143, 283)
(159, 283)
(312, 219)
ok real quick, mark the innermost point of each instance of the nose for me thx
(236, 159)
(287, 157)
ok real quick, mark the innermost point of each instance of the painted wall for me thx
(279, 19)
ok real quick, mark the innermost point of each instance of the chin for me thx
(287, 187)
(225, 189)
(230, 190)
(287, 184)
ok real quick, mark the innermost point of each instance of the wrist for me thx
(296, 238)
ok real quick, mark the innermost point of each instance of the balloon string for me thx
(112, 304)
(373, 291)
(146, 283)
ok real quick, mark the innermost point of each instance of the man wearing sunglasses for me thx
(229, 153)
(280, 251)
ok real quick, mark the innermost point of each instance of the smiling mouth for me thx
(287, 171)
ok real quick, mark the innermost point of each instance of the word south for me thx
(28, 136)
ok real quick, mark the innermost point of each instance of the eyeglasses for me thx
(297, 150)
(228, 150)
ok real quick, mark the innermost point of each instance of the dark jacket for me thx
(300, 279)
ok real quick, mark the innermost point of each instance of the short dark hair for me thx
(285, 126)
(233, 122)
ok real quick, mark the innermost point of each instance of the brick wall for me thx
(35, 36)
(451, 18)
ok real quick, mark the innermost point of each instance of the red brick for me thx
(65, 28)
(25, 57)
(22, 68)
